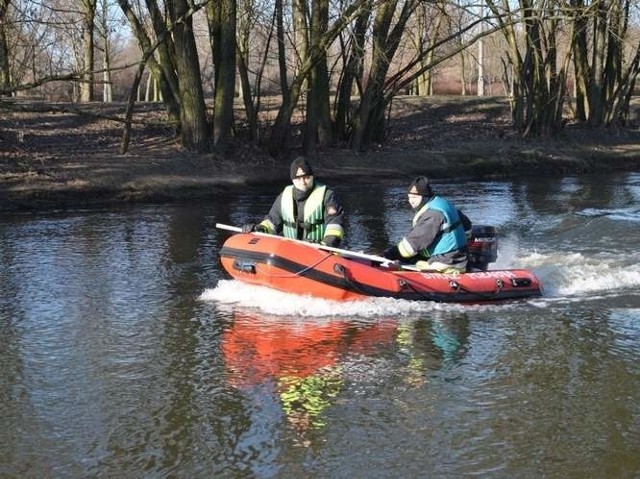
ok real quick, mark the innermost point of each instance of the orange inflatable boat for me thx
(309, 269)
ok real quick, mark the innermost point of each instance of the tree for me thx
(88, 19)
(193, 124)
(5, 78)
(176, 66)
(252, 44)
(157, 56)
(353, 52)
(428, 23)
(276, 143)
(368, 123)
(539, 85)
(221, 16)
(318, 130)
(604, 82)
(105, 32)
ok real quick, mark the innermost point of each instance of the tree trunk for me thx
(244, 31)
(596, 110)
(538, 87)
(163, 67)
(126, 133)
(163, 70)
(193, 122)
(282, 55)
(107, 86)
(352, 73)
(463, 75)
(247, 99)
(369, 123)
(88, 18)
(147, 90)
(580, 62)
(221, 15)
(276, 144)
(318, 131)
(5, 76)
(301, 30)
(603, 85)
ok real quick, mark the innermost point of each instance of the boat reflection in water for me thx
(301, 359)
(304, 364)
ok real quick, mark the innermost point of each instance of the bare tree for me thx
(282, 56)
(157, 54)
(368, 123)
(104, 32)
(350, 81)
(277, 141)
(367, 50)
(539, 83)
(193, 123)
(318, 130)
(36, 46)
(221, 16)
(428, 22)
(5, 78)
(254, 37)
(88, 19)
(606, 79)
(173, 60)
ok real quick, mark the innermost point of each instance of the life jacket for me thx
(313, 216)
(451, 237)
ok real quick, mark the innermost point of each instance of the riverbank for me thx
(60, 159)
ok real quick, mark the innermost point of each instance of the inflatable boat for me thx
(303, 268)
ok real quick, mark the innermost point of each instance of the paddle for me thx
(344, 252)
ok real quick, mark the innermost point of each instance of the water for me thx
(125, 351)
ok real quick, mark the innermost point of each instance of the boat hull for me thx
(305, 269)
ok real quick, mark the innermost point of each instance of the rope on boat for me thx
(458, 288)
(301, 272)
(342, 270)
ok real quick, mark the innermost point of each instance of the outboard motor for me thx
(483, 247)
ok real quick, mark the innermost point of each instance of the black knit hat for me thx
(421, 185)
(300, 163)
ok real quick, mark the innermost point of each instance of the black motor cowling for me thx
(483, 247)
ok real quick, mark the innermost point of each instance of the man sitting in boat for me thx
(437, 240)
(306, 210)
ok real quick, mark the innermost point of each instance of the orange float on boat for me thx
(303, 268)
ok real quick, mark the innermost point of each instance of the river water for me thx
(125, 351)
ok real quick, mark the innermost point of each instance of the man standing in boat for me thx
(437, 240)
(306, 210)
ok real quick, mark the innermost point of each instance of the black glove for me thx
(331, 240)
(248, 228)
(260, 229)
(393, 265)
(392, 253)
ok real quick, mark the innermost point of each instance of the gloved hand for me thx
(331, 240)
(248, 228)
(260, 229)
(393, 265)
(392, 253)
